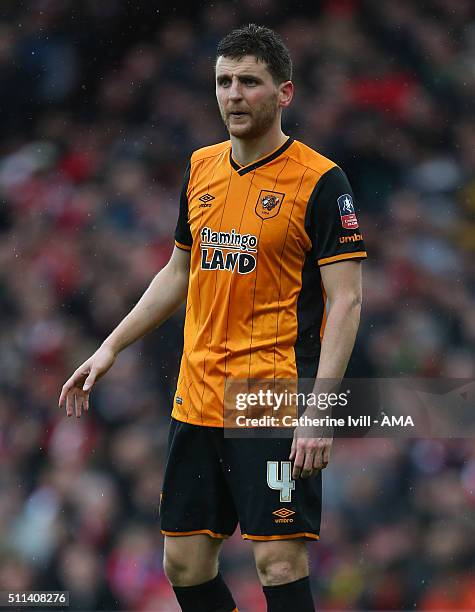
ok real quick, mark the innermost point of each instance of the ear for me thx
(286, 93)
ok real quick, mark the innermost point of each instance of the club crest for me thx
(268, 204)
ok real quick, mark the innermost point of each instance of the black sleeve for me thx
(183, 238)
(331, 222)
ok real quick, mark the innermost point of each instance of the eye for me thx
(250, 81)
(223, 82)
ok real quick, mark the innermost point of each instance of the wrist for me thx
(111, 346)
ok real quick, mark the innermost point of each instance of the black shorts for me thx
(211, 483)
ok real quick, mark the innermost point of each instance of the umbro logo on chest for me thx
(206, 200)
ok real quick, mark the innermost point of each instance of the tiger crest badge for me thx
(268, 204)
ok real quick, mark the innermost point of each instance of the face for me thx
(249, 101)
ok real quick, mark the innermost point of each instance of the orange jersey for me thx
(257, 236)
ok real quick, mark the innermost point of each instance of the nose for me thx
(235, 90)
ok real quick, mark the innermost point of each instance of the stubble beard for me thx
(259, 124)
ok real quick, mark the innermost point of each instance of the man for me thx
(268, 256)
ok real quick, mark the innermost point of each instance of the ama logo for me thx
(347, 212)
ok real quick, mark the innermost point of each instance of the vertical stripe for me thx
(199, 295)
(284, 165)
(280, 267)
(211, 311)
(229, 293)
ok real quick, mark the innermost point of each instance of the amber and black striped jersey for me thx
(257, 235)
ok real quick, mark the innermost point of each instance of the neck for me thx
(247, 151)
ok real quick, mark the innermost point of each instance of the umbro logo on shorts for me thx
(283, 512)
(283, 515)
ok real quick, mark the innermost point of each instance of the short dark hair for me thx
(264, 44)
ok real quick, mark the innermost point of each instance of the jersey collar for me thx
(241, 170)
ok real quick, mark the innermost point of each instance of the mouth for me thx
(236, 114)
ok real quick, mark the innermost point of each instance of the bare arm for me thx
(164, 295)
(342, 284)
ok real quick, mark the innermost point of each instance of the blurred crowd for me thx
(101, 104)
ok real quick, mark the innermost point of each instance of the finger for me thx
(318, 462)
(308, 463)
(292, 450)
(80, 403)
(90, 380)
(77, 405)
(326, 454)
(69, 404)
(82, 399)
(64, 393)
(298, 463)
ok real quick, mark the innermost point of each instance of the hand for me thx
(310, 452)
(76, 390)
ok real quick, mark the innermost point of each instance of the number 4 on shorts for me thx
(285, 484)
